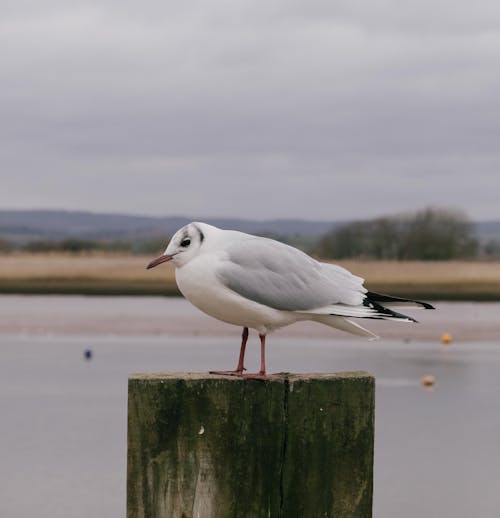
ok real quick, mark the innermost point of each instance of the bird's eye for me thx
(185, 242)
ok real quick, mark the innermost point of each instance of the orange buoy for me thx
(428, 380)
(446, 338)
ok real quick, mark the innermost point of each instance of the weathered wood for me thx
(202, 446)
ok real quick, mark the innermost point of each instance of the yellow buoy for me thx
(446, 338)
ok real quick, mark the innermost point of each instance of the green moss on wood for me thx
(329, 453)
(212, 446)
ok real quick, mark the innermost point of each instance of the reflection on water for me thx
(63, 425)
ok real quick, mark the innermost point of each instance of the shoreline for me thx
(466, 291)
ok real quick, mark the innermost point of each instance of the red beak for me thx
(159, 260)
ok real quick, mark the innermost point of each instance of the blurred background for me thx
(364, 133)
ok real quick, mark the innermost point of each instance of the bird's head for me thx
(184, 245)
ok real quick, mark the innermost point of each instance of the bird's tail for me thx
(345, 325)
(374, 306)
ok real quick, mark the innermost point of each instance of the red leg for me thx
(262, 373)
(244, 337)
(239, 368)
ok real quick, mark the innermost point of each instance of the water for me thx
(63, 425)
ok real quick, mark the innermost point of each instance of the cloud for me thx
(290, 100)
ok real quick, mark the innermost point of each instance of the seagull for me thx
(263, 284)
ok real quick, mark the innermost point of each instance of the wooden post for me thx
(203, 446)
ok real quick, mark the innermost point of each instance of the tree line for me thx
(428, 234)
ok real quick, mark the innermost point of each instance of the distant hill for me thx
(22, 226)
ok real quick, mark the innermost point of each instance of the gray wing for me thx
(282, 277)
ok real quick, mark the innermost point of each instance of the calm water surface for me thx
(63, 419)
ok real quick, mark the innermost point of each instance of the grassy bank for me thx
(85, 274)
(109, 274)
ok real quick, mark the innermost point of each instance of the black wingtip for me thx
(384, 312)
(381, 298)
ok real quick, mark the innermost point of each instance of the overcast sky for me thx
(260, 109)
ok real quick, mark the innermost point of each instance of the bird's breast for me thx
(200, 284)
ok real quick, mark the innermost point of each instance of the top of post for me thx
(278, 377)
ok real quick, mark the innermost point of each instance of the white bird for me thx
(260, 283)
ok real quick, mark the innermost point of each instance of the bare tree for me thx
(429, 234)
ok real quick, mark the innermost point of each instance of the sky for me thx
(305, 109)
